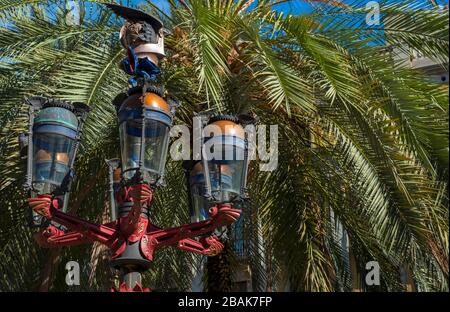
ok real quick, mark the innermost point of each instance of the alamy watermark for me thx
(373, 276)
(73, 273)
(256, 137)
(373, 15)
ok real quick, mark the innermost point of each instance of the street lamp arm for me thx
(181, 236)
(220, 215)
(208, 246)
(171, 236)
(132, 228)
(224, 214)
(100, 233)
(52, 237)
(82, 229)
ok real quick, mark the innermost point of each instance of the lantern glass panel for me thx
(156, 145)
(226, 168)
(52, 154)
(156, 139)
(226, 179)
(130, 146)
(200, 204)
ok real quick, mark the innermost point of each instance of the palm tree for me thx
(363, 138)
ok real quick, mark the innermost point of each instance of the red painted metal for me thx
(124, 288)
(208, 246)
(132, 228)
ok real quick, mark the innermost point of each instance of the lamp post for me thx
(145, 117)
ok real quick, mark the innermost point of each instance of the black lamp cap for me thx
(40, 102)
(118, 100)
(44, 102)
(81, 108)
(243, 119)
(224, 117)
(36, 101)
(135, 15)
(247, 119)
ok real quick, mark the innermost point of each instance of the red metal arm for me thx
(219, 216)
(54, 237)
(208, 246)
(133, 227)
(82, 229)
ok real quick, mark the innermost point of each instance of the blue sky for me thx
(297, 6)
(294, 6)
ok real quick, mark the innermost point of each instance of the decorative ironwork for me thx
(145, 117)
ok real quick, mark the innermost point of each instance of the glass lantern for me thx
(225, 168)
(52, 142)
(225, 160)
(144, 125)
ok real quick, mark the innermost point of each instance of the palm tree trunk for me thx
(100, 270)
(48, 272)
(218, 271)
(269, 267)
(356, 276)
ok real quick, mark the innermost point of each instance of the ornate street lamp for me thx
(145, 116)
(51, 142)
